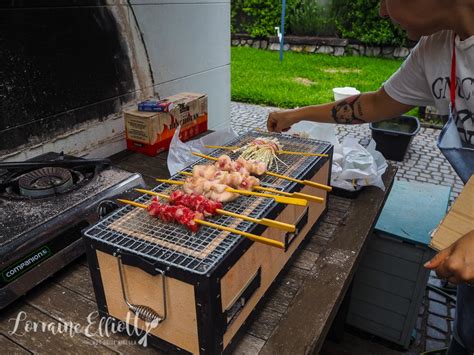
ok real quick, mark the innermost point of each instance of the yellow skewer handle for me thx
(171, 182)
(319, 186)
(308, 197)
(204, 156)
(264, 221)
(306, 154)
(305, 182)
(279, 199)
(148, 192)
(133, 203)
(275, 191)
(185, 173)
(221, 147)
(250, 236)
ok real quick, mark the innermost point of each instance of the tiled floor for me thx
(423, 163)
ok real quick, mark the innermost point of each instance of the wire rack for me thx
(132, 230)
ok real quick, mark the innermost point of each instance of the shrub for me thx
(359, 19)
(308, 18)
(258, 18)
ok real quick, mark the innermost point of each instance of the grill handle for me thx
(143, 312)
(302, 221)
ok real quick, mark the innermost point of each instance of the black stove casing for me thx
(40, 236)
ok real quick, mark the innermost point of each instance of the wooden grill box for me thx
(204, 311)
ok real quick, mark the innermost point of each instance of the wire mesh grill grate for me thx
(133, 230)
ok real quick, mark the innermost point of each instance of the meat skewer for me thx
(250, 236)
(279, 199)
(223, 161)
(265, 189)
(209, 208)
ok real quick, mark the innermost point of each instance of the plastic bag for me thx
(180, 153)
(353, 166)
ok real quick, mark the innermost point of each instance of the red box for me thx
(151, 132)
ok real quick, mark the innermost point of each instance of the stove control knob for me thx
(106, 207)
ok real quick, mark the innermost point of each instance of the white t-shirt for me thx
(424, 78)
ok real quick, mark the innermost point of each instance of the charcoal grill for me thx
(213, 278)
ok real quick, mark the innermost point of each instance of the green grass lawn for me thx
(302, 79)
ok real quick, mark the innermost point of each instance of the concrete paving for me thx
(423, 163)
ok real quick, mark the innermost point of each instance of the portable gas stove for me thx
(201, 287)
(44, 204)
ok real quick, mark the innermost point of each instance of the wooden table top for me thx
(293, 318)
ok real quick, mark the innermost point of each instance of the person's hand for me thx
(279, 121)
(456, 263)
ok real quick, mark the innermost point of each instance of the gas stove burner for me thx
(45, 182)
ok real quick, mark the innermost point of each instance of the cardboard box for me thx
(458, 221)
(151, 132)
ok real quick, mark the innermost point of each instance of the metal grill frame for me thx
(103, 233)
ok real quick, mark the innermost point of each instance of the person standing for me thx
(439, 72)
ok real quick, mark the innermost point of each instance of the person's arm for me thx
(363, 108)
(456, 263)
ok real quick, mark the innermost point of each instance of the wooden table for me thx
(294, 317)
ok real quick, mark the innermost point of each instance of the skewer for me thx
(279, 199)
(263, 221)
(250, 236)
(304, 182)
(275, 191)
(306, 154)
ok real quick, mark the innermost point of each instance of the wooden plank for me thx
(44, 342)
(323, 291)
(285, 289)
(66, 306)
(249, 345)
(265, 323)
(10, 347)
(306, 259)
(76, 278)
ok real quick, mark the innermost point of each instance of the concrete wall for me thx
(169, 46)
(188, 44)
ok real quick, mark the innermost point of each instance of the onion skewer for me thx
(306, 154)
(253, 237)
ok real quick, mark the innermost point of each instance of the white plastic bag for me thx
(180, 153)
(353, 165)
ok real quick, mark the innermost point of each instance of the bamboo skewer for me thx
(263, 221)
(306, 154)
(279, 199)
(250, 236)
(304, 182)
(275, 191)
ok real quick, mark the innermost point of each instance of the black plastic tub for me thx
(393, 137)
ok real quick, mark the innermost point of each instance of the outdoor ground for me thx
(423, 163)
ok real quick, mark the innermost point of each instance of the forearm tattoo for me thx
(345, 111)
